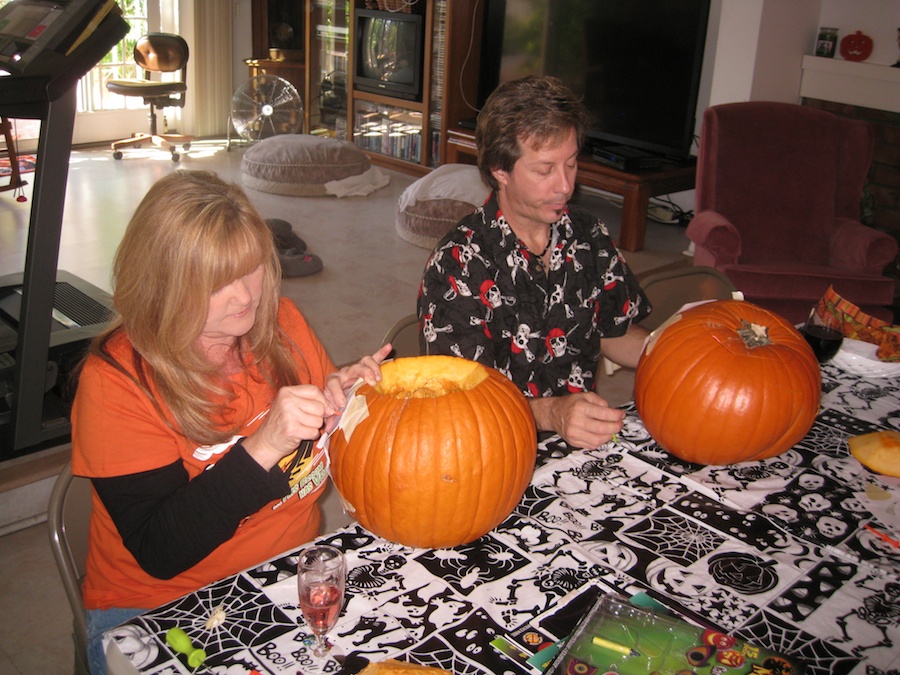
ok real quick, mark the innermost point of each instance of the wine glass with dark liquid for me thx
(321, 573)
(823, 333)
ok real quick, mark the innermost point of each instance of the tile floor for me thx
(369, 281)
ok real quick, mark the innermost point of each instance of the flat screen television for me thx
(636, 63)
(389, 53)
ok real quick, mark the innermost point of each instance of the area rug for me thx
(26, 165)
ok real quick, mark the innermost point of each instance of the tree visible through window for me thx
(119, 63)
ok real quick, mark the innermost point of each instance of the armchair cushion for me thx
(857, 248)
(714, 234)
(807, 282)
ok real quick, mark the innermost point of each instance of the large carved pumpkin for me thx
(726, 382)
(437, 454)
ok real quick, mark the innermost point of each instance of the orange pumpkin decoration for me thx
(856, 47)
(442, 451)
(727, 382)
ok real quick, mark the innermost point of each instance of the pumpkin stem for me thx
(753, 334)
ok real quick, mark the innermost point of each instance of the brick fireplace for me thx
(868, 92)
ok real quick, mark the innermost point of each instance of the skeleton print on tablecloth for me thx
(372, 578)
(875, 400)
(878, 611)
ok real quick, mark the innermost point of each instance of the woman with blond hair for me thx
(196, 408)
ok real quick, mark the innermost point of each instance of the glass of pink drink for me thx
(321, 572)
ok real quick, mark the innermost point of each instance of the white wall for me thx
(760, 43)
(241, 41)
(758, 46)
(879, 19)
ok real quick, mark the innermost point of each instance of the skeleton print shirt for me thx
(486, 297)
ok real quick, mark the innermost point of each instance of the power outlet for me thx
(661, 214)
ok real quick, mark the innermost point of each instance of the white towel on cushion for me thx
(449, 181)
(358, 186)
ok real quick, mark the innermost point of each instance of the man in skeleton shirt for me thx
(546, 281)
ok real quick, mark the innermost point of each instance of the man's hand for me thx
(583, 420)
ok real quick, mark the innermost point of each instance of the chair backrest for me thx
(68, 519)
(162, 53)
(781, 173)
(670, 289)
(404, 337)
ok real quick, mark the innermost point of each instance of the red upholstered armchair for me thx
(778, 205)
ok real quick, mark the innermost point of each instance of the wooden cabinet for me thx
(278, 29)
(407, 135)
(292, 71)
(452, 49)
(327, 67)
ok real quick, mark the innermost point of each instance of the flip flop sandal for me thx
(298, 264)
(284, 236)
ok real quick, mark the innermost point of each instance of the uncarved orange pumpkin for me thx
(441, 452)
(727, 382)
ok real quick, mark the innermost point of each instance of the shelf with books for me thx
(387, 130)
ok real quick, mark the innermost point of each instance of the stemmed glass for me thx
(823, 333)
(321, 572)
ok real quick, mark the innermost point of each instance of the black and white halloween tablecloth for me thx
(797, 553)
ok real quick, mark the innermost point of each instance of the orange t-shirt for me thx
(117, 431)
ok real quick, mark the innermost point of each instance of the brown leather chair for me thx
(779, 188)
(156, 53)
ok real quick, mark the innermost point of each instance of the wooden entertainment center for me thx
(451, 71)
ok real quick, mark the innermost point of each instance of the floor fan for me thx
(264, 106)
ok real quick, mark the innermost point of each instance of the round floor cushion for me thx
(301, 165)
(431, 206)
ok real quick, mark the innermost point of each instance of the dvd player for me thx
(625, 158)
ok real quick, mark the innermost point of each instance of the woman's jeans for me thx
(98, 622)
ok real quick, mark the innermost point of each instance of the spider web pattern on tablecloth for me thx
(675, 537)
(819, 656)
(250, 620)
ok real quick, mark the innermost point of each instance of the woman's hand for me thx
(297, 414)
(369, 368)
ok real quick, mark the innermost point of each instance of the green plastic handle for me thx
(178, 640)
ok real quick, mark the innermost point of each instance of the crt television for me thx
(389, 53)
(636, 63)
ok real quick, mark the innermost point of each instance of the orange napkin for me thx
(858, 325)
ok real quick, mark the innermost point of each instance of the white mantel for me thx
(860, 84)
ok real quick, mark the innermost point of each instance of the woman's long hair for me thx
(192, 234)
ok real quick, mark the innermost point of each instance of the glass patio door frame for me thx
(105, 117)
